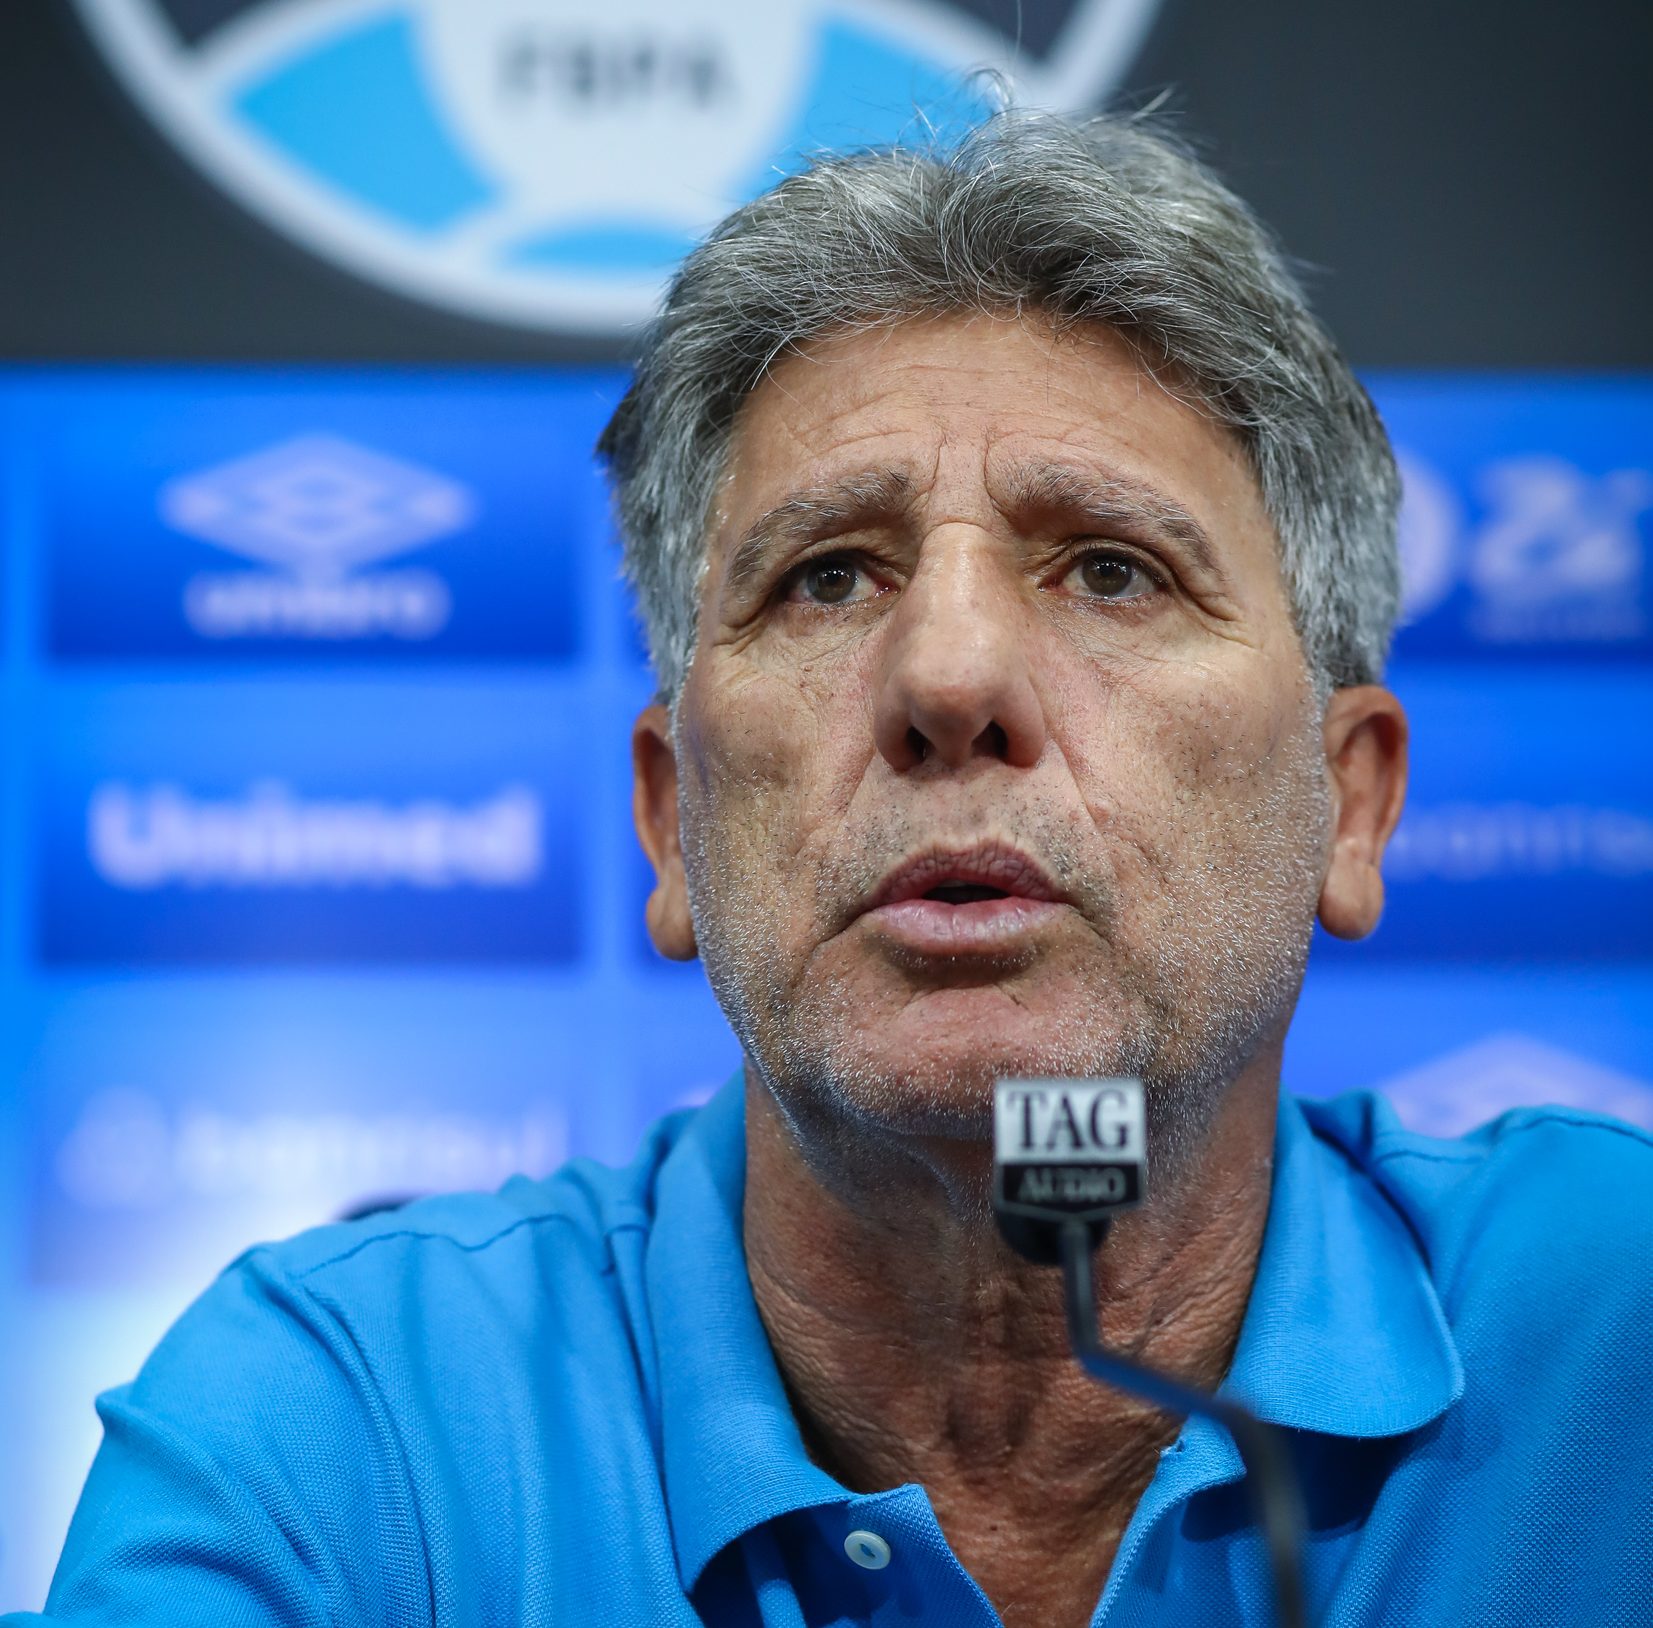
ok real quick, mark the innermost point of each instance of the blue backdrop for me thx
(318, 885)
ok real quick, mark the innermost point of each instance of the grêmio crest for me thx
(547, 162)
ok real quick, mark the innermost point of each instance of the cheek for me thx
(775, 759)
(1179, 765)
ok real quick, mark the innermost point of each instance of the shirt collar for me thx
(1343, 1334)
(732, 1456)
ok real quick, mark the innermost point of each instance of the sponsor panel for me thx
(1452, 1094)
(208, 830)
(1528, 831)
(463, 839)
(1452, 1048)
(682, 1052)
(1527, 532)
(77, 1345)
(132, 1153)
(191, 520)
(167, 1134)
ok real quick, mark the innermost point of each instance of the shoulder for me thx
(379, 1387)
(1564, 1165)
(1532, 1208)
(533, 1240)
(411, 1294)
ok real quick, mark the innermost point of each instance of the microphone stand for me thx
(1271, 1481)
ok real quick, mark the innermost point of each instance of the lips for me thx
(966, 876)
(984, 900)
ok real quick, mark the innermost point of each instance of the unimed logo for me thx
(142, 837)
(290, 869)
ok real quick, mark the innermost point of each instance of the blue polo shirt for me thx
(556, 1405)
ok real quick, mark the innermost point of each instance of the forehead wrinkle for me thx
(1026, 489)
(818, 511)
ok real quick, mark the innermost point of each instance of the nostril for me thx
(917, 745)
(994, 740)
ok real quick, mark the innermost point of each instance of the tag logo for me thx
(550, 164)
(317, 507)
(1068, 1148)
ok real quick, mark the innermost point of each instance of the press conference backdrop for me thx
(317, 881)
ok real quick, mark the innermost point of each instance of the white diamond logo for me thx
(317, 506)
(1465, 1088)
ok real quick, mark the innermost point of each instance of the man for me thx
(1018, 560)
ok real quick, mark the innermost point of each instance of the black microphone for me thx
(1068, 1156)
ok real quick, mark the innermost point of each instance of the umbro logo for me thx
(318, 508)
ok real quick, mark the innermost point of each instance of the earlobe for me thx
(1365, 736)
(654, 808)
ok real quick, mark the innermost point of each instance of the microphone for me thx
(1068, 1156)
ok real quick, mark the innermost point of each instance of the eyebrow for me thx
(1105, 501)
(817, 512)
(1102, 501)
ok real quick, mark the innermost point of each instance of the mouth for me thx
(984, 900)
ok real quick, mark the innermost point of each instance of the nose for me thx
(956, 680)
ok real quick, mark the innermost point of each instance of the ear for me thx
(1365, 736)
(654, 808)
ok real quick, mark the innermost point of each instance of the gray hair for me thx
(1102, 221)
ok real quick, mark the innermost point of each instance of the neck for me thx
(916, 1347)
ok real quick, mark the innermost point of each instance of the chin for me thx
(940, 1083)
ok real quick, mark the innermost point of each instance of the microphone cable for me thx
(1068, 1156)
(1270, 1479)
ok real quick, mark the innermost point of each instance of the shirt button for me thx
(867, 1550)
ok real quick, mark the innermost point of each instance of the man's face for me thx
(998, 753)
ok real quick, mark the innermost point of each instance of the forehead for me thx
(965, 402)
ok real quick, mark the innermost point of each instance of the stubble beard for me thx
(1213, 983)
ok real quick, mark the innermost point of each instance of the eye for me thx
(830, 579)
(1108, 574)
